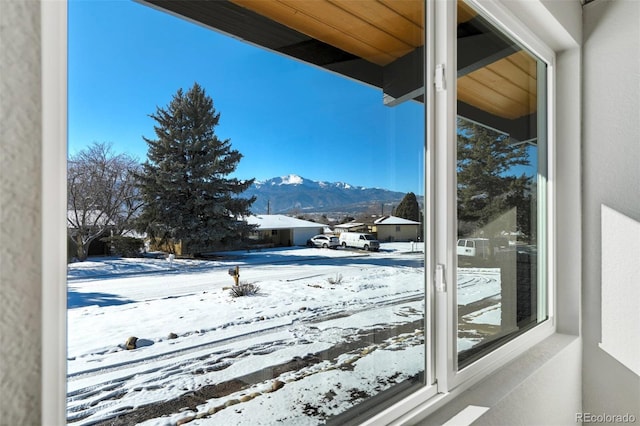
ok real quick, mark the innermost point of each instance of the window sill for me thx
(527, 376)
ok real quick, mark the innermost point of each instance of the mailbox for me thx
(235, 273)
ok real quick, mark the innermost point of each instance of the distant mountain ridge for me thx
(293, 193)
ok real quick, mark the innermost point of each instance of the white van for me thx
(359, 240)
(474, 247)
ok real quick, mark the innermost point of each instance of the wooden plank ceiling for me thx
(382, 31)
(379, 31)
(505, 87)
(373, 41)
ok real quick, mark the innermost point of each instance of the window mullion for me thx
(429, 199)
(445, 192)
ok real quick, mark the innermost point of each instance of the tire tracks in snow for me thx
(313, 316)
(199, 359)
(367, 341)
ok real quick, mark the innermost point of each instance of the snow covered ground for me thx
(327, 330)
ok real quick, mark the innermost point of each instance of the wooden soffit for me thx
(502, 82)
(378, 31)
(373, 41)
(505, 88)
(494, 75)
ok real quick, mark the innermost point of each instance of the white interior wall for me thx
(20, 213)
(611, 182)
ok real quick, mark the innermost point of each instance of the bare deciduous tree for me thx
(102, 195)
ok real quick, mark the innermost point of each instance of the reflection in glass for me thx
(500, 130)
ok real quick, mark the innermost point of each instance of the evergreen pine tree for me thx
(184, 182)
(408, 208)
(487, 187)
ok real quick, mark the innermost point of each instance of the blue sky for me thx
(126, 59)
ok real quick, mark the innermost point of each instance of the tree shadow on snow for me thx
(77, 299)
(358, 258)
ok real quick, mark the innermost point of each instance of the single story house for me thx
(281, 230)
(91, 224)
(392, 228)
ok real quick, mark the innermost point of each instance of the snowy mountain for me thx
(291, 193)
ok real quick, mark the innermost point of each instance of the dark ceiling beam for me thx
(360, 70)
(482, 62)
(238, 22)
(403, 79)
(521, 129)
(479, 46)
(316, 52)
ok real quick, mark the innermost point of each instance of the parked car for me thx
(324, 241)
(359, 240)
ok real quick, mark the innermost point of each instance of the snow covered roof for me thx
(278, 221)
(393, 220)
(349, 225)
(91, 218)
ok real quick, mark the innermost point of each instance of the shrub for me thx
(124, 246)
(244, 289)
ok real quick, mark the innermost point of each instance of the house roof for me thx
(393, 220)
(77, 218)
(349, 225)
(279, 221)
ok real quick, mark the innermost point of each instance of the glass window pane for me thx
(278, 324)
(500, 164)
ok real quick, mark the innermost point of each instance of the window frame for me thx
(440, 241)
(478, 369)
(53, 18)
(440, 206)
